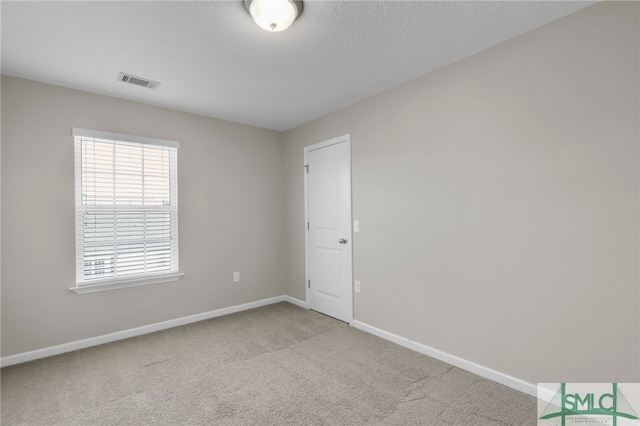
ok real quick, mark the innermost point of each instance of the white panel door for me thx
(328, 251)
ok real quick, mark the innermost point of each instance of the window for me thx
(126, 210)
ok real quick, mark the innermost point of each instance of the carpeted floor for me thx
(275, 365)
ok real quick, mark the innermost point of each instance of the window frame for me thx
(102, 284)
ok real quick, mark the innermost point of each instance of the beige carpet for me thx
(276, 365)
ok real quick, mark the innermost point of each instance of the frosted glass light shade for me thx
(274, 15)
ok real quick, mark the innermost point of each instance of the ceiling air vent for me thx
(138, 81)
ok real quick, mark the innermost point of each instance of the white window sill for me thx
(125, 283)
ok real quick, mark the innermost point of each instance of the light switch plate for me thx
(356, 226)
(236, 277)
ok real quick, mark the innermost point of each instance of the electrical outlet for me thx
(356, 226)
(236, 277)
(356, 286)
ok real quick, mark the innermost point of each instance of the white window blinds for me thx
(126, 207)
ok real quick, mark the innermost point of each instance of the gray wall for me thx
(230, 212)
(498, 202)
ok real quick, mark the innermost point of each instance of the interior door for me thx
(328, 234)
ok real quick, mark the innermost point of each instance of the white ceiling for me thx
(213, 60)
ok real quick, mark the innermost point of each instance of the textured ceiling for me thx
(213, 60)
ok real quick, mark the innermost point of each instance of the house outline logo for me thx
(565, 405)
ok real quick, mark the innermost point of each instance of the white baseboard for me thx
(138, 331)
(462, 363)
(296, 302)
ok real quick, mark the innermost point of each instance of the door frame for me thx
(334, 141)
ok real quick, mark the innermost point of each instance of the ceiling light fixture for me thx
(274, 15)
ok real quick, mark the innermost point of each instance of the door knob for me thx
(342, 241)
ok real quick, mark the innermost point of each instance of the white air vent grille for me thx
(138, 81)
